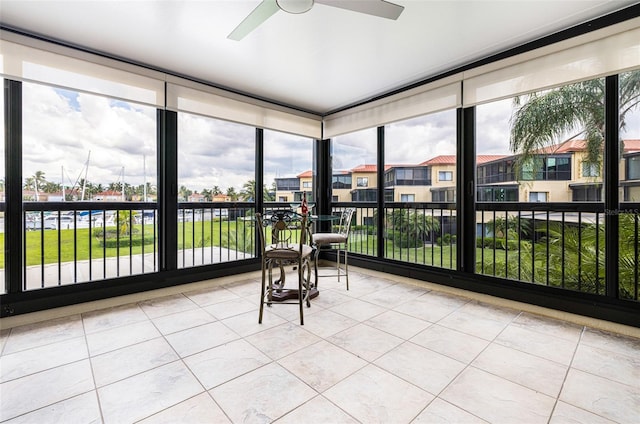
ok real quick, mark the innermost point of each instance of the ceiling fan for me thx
(267, 8)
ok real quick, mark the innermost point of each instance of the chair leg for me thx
(300, 293)
(346, 265)
(262, 292)
(315, 264)
(338, 261)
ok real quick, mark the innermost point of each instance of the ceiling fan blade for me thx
(260, 14)
(380, 8)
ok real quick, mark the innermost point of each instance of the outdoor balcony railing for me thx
(554, 244)
(214, 232)
(73, 242)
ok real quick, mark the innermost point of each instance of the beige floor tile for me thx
(145, 394)
(394, 295)
(247, 323)
(45, 388)
(441, 412)
(550, 326)
(475, 325)
(374, 395)
(564, 413)
(119, 337)
(422, 343)
(183, 320)
(426, 369)
(167, 305)
(486, 310)
(618, 367)
(83, 408)
(539, 344)
(106, 319)
(31, 361)
(317, 411)
(329, 298)
(198, 409)
(209, 296)
(196, 339)
(42, 333)
(431, 306)
(262, 395)
(366, 342)
(278, 342)
(454, 344)
(609, 399)
(322, 365)
(534, 372)
(4, 335)
(497, 400)
(398, 324)
(226, 362)
(229, 308)
(358, 309)
(245, 288)
(326, 323)
(611, 342)
(362, 287)
(128, 361)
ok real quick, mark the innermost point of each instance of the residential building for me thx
(109, 196)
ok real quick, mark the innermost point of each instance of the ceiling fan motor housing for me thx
(295, 6)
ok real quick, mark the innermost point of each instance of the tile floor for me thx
(384, 351)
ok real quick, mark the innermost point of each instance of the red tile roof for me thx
(489, 158)
(451, 159)
(306, 174)
(580, 145)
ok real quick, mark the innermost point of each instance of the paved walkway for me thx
(51, 275)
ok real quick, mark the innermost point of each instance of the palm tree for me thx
(231, 192)
(410, 228)
(542, 118)
(248, 191)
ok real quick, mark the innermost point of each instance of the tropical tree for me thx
(216, 190)
(184, 193)
(248, 191)
(231, 192)
(410, 228)
(541, 119)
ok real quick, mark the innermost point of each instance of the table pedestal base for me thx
(280, 295)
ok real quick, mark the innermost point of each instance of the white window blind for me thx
(208, 101)
(64, 67)
(441, 95)
(603, 52)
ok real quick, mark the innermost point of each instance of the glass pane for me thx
(629, 211)
(420, 167)
(3, 289)
(216, 166)
(354, 165)
(288, 169)
(84, 147)
(526, 154)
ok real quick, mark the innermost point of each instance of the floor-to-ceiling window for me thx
(216, 170)
(420, 190)
(81, 147)
(354, 179)
(3, 288)
(543, 148)
(288, 169)
(629, 192)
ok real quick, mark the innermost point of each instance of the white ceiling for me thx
(320, 61)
